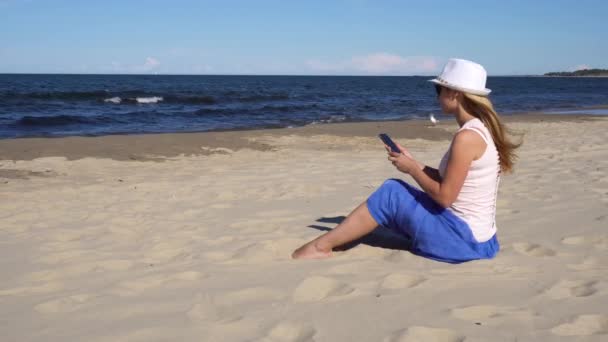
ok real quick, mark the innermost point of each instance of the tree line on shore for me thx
(583, 72)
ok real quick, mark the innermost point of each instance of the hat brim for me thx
(484, 92)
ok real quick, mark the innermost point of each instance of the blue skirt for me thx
(434, 232)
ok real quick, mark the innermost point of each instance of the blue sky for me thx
(349, 37)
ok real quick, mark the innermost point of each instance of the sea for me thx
(54, 105)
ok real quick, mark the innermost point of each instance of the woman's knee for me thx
(389, 192)
(393, 183)
(391, 203)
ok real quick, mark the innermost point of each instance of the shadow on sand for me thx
(380, 237)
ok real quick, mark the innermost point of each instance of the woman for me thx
(453, 218)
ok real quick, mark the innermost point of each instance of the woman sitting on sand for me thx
(453, 218)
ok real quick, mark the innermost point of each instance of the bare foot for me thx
(311, 251)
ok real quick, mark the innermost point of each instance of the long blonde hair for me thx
(481, 107)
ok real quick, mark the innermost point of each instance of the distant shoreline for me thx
(576, 76)
(580, 73)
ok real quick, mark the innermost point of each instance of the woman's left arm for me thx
(465, 148)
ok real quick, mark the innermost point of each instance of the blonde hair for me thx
(481, 107)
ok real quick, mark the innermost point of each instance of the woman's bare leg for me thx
(357, 224)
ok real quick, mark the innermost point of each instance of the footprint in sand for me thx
(222, 240)
(257, 226)
(266, 225)
(43, 276)
(221, 206)
(290, 332)
(154, 281)
(217, 255)
(250, 295)
(115, 264)
(255, 252)
(532, 249)
(187, 276)
(166, 251)
(489, 314)
(600, 242)
(226, 196)
(397, 256)
(568, 289)
(317, 288)
(63, 256)
(205, 310)
(141, 284)
(345, 268)
(135, 334)
(65, 304)
(423, 334)
(583, 325)
(276, 213)
(47, 287)
(590, 263)
(401, 281)
(272, 250)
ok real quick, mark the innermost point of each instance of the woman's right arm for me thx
(465, 147)
(431, 172)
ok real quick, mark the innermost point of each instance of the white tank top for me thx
(476, 202)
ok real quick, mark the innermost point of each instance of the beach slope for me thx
(187, 237)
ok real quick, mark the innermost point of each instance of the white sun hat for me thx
(463, 75)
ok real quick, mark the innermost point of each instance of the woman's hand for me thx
(404, 151)
(403, 161)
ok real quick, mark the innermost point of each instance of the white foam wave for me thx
(115, 99)
(153, 99)
(332, 119)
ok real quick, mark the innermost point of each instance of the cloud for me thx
(149, 65)
(380, 63)
(580, 67)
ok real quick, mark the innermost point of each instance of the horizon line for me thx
(247, 75)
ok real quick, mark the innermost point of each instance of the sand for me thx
(187, 237)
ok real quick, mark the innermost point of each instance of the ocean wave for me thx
(130, 96)
(152, 99)
(218, 111)
(287, 108)
(114, 99)
(145, 97)
(263, 98)
(266, 109)
(241, 96)
(202, 99)
(56, 95)
(95, 120)
(55, 120)
(331, 119)
(134, 100)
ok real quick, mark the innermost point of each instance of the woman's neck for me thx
(462, 116)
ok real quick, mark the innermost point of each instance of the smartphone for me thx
(389, 142)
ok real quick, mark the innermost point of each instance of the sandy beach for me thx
(187, 237)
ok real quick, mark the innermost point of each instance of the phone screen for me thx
(389, 142)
